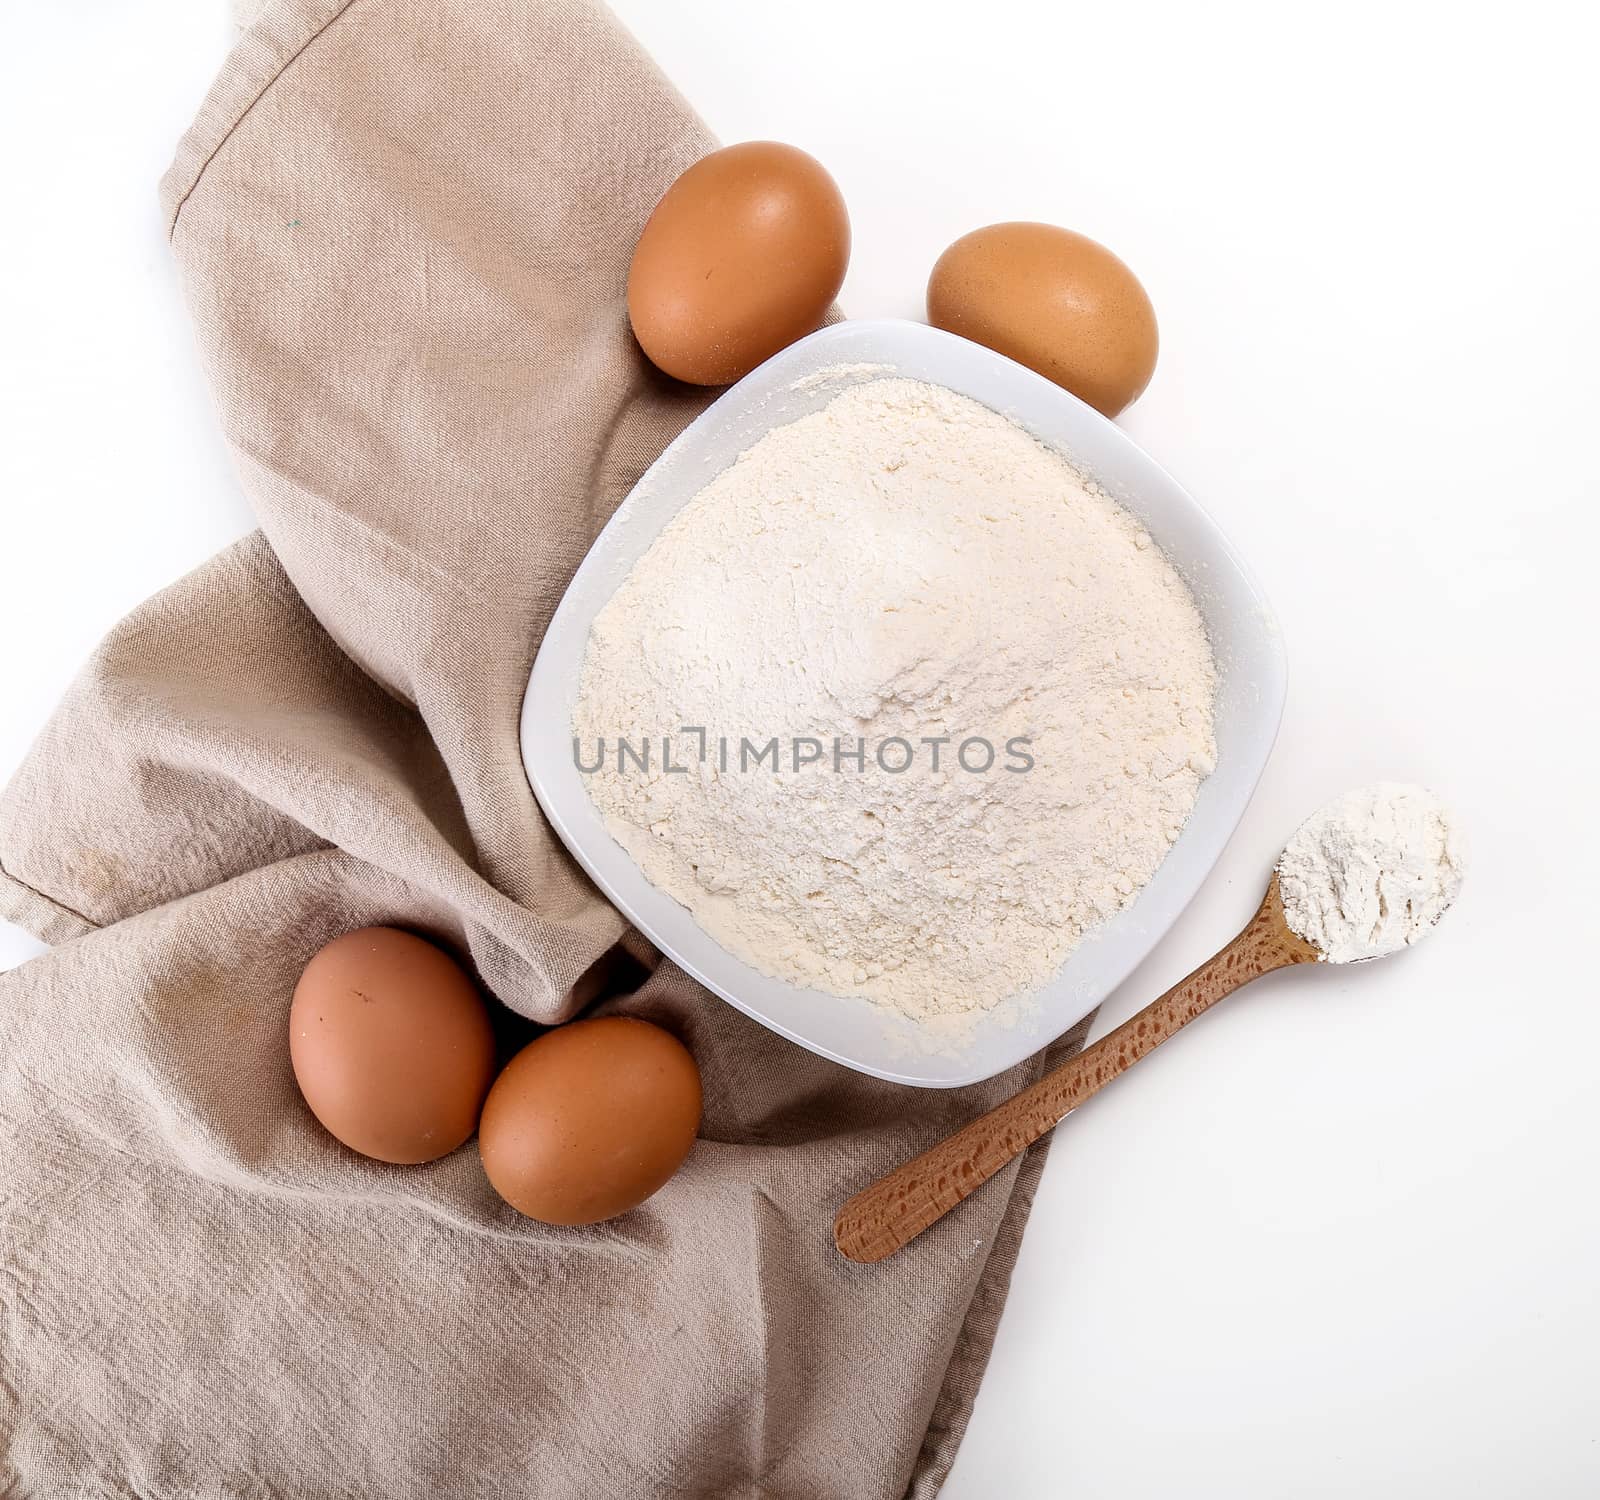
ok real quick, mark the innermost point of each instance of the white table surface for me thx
(1343, 1236)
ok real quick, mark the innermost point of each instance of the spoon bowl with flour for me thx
(1367, 875)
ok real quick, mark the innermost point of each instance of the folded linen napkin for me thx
(404, 228)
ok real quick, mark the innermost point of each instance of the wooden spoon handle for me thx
(895, 1209)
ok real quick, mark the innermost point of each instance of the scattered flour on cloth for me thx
(1372, 872)
(904, 562)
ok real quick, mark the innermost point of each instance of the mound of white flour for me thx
(1371, 872)
(902, 566)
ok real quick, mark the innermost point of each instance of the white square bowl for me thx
(1244, 636)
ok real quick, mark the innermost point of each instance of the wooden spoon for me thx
(897, 1208)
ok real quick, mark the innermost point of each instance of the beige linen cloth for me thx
(404, 229)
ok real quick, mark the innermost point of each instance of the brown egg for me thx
(391, 1045)
(742, 256)
(1054, 301)
(590, 1119)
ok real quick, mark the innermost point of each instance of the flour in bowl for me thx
(898, 705)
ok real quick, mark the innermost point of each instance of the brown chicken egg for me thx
(391, 1045)
(742, 256)
(590, 1119)
(1053, 300)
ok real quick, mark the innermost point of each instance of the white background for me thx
(1343, 1236)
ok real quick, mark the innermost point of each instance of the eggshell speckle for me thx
(1052, 300)
(391, 1045)
(590, 1119)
